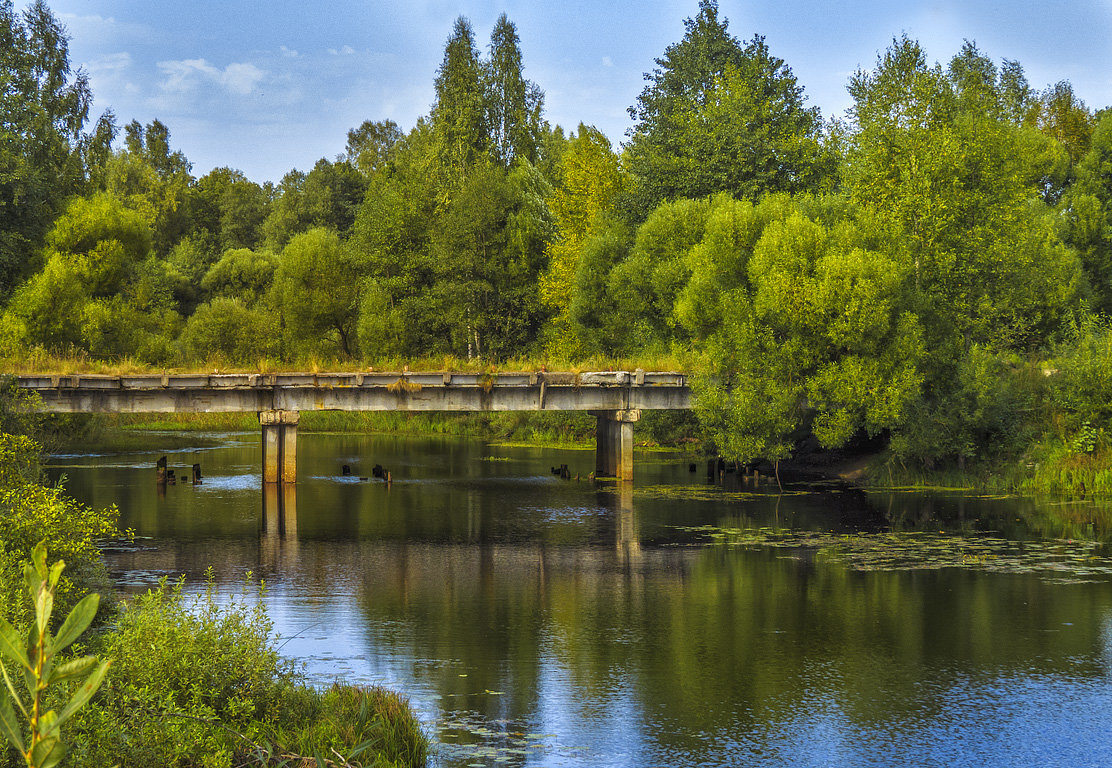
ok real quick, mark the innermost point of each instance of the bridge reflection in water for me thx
(279, 546)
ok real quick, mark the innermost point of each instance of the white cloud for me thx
(111, 65)
(103, 28)
(607, 61)
(347, 50)
(187, 74)
(289, 53)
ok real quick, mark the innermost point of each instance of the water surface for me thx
(535, 621)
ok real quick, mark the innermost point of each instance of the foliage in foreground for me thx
(41, 746)
(199, 682)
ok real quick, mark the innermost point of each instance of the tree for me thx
(717, 117)
(800, 327)
(44, 105)
(241, 274)
(514, 104)
(229, 206)
(316, 291)
(959, 187)
(99, 291)
(370, 146)
(487, 249)
(151, 179)
(328, 196)
(1064, 117)
(589, 181)
(459, 115)
(1087, 214)
(646, 284)
(390, 240)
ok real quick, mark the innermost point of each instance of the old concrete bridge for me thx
(616, 398)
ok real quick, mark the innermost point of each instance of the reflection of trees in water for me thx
(706, 636)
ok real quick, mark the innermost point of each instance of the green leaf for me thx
(72, 668)
(359, 750)
(8, 724)
(11, 690)
(48, 753)
(77, 622)
(47, 723)
(84, 693)
(44, 606)
(11, 644)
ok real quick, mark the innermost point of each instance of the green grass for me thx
(38, 361)
(571, 430)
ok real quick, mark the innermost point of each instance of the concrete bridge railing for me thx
(616, 398)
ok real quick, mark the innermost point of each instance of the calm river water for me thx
(535, 621)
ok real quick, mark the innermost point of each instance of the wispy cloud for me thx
(347, 50)
(103, 27)
(111, 65)
(188, 74)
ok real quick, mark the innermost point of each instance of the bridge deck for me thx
(405, 391)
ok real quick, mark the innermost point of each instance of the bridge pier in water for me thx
(614, 443)
(279, 446)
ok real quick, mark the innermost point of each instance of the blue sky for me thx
(270, 86)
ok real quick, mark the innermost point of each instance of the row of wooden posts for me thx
(717, 469)
(166, 476)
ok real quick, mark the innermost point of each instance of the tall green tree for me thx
(588, 183)
(44, 105)
(1087, 214)
(316, 292)
(514, 104)
(230, 207)
(99, 290)
(487, 250)
(717, 116)
(328, 196)
(152, 179)
(459, 114)
(799, 325)
(390, 238)
(933, 158)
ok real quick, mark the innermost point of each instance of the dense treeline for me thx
(934, 269)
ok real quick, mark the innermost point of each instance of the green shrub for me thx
(195, 682)
(989, 409)
(198, 682)
(30, 513)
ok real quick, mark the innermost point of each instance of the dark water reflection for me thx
(542, 622)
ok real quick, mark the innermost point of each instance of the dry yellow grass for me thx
(38, 361)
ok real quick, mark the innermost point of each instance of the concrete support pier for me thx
(614, 443)
(279, 446)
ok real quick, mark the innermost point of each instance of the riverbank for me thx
(656, 430)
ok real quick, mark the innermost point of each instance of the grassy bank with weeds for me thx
(673, 430)
(1048, 468)
(38, 361)
(198, 681)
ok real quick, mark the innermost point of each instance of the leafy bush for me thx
(41, 745)
(989, 409)
(226, 330)
(198, 683)
(194, 682)
(30, 513)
